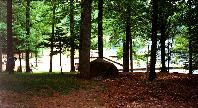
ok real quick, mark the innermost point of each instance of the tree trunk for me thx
(60, 47)
(131, 53)
(85, 34)
(20, 65)
(0, 52)
(72, 50)
(2, 19)
(36, 59)
(130, 37)
(31, 55)
(190, 48)
(52, 35)
(27, 34)
(100, 29)
(163, 52)
(152, 73)
(124, 58)
(10, 53)
(27, 54)
(22, 55)
(127, 40)
(190, 57)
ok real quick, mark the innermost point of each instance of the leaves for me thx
(133, 89)
(128, 90)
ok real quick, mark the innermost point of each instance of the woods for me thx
(100, 53)
(122, 25)
(10, 44)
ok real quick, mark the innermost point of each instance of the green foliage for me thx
(138, 49)
(3, 25)
(181, 44)
(115, 20)
(176, 15)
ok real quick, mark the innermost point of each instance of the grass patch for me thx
(39, 84)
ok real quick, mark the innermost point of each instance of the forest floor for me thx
(129, 90)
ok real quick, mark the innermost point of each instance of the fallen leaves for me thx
(173, 89)
(129, 90)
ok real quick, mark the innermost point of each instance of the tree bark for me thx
(52, 35)
(127, 41)
(85, 34)
(20, 65)
(60, 47)
(131, 53)
(36, 59)
(100, 29)
(3, 19)
(190, 56)
(163, 21)
(190, 48)
(163, 52)
(72, 50)
(10, 53)
(130, 38)
(152, 73)
(27, 52)
(0, 52)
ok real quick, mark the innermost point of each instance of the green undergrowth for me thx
(41, 83)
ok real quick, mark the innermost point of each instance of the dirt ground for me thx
(129, 90)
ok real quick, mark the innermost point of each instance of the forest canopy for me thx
(66, 26)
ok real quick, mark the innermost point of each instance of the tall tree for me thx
(100, 28)
(166, 9)
(162, 43)
(128, 33)
(27, 53)
(10, 45)
(190, 37)
(72, 50)
(162, 23)
(152, 73)
(85, 34)
(131, 53)
(122, 15)
(127, 40)
(0, 52)
(52, 34)
(194, 36)
(1, 19)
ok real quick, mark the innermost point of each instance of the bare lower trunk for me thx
(72, 60)
(85, 35)
(20, 65)
(100, 29)
(163, 52)
(51, 57)
(190, 48)
(10, 53)
(27, 61)
(36, 58)
(52, 35)
(72, 50)
(152, 73)
(0, 53)
(27, 34)
(127, 41)
(126, 56)
(131, 53)
(190, 57)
